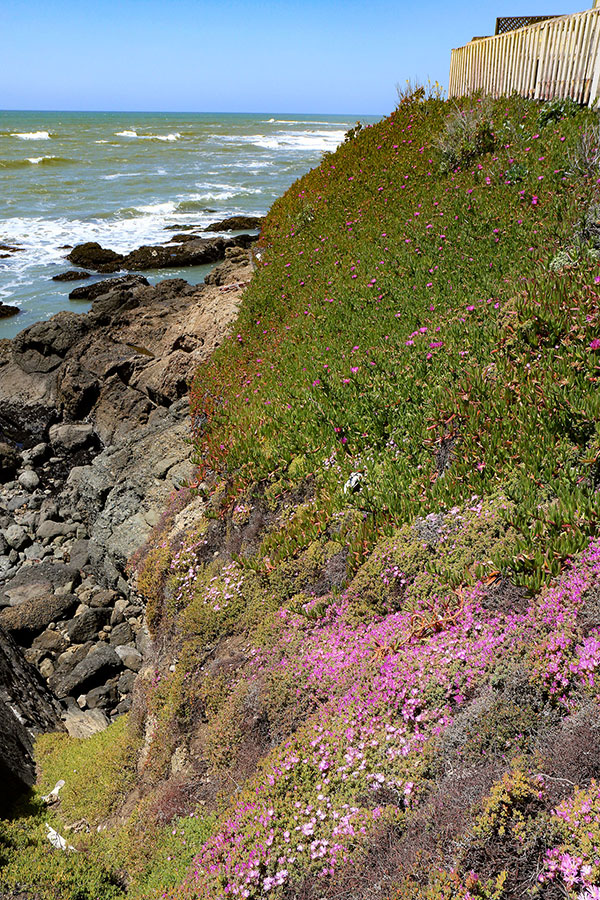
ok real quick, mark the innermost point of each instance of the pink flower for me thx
(595, 344)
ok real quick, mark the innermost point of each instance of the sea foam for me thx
(31, 135)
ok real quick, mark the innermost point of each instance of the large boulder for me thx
(237, 223)
(31, 617)
(6, 311)
(191, 253)
(92, 256)
(101, 662)
(98, 288)
(71, 275)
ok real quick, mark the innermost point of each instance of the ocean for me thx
(123, 178)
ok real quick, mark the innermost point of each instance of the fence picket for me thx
(558, 57)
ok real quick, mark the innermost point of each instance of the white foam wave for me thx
(32, 135)
(158, 209)
(120, 175)
(37, 159)
(174, 136)
(101, 142)
(306, 122)
(312, 141)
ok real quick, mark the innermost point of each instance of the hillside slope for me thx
(376, 616)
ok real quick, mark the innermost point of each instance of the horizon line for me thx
(196, 112)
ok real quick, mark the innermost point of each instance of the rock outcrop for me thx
(7, 311)
(193, 251)
(27, 707)
(237, 223)
(94, 431)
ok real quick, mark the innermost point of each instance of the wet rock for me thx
(90, 292)
(6, 311)
(101, 662)
(31, 617)
(71, 275)
(237, 223)
(191, 253)
(92, 256)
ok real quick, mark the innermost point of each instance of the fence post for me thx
(596, 75)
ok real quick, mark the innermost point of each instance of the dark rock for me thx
(35, 581)
(26, 708)
(103, 598)
(49, 529)
(90, 292)
(71, 275)
(50, 642)
(191, 253)
(42, 343)
(101, 662)
(7, 311)
(79, 555)
(105, 695)
(9, 461)
(86, 626)
(126, 682)
(92, 256)
(121, 634)
(31, 617)
(124, 706)
(182, 238)
(237, 223)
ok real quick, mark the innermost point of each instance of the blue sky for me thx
(235, 55)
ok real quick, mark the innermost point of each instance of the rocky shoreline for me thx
(94, 440)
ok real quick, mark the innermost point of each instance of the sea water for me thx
(123, 178)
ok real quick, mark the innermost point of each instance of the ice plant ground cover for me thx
(376, 651)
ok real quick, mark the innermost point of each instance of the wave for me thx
(31, 135)
(312, 141)
(199, 204)
(305, 122)
(120, 175)
(174, 136)
(34, 161)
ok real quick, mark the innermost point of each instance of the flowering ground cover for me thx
(376, 654)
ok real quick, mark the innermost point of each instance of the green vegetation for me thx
(377, 653)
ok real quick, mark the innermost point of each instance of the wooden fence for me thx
(559, 57)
